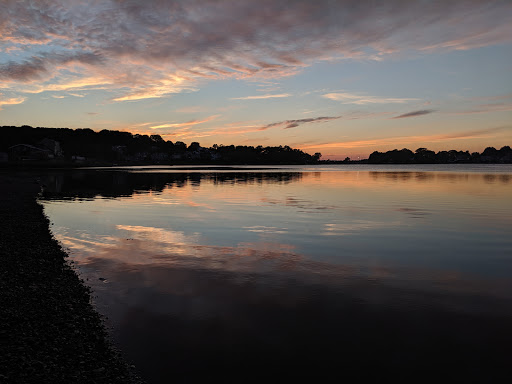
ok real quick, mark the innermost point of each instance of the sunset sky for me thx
(344, 78)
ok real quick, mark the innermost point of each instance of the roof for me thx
(30, 146)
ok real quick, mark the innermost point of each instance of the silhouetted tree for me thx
(111, 145)
(423, 155)
(180, 146)
(194, 146)
(156, 139)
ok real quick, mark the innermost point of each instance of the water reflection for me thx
(273, 277)
(452, 177)
(112, 184)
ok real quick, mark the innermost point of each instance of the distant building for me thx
(78, 159)
(52, 145)
(26, 152)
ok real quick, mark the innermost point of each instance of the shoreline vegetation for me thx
(29, 147)
(50, 331)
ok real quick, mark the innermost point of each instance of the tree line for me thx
(426, 156)
(124, 147)
(110, 146)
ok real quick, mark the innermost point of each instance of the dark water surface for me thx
(331, 273)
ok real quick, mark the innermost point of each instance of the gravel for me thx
(49, 330)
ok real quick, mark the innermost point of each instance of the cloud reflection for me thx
(145, 245)
(266, 229)
(352, 227)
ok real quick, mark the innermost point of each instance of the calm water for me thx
(275, 273)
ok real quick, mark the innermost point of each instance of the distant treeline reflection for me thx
(113, 184)
(429, 176)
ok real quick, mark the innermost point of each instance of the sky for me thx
(344, 78)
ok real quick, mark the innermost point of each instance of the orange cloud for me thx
(228, 129)
(11, 101)
(185, 124)
(172, 84)
(401, 140)
(83, 83)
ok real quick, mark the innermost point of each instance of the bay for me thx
(207, 273)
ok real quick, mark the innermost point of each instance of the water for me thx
(274, 273)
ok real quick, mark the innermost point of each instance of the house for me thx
(26, 152)
(52, 145)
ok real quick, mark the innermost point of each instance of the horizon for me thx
(322, 157)
(344, 79)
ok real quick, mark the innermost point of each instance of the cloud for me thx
(261, 97)
(23, 71)
(351, 98)
(162, 87)
(236, 128)
(403, 140)
(38, 66)
(185, 124)
(67, 84)
(414, 113)
(11, 101)
(286, 124)
(138, 49)
(241, 128)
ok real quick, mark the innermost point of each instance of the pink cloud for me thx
(149, 49)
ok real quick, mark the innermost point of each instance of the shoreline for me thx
(49, 328)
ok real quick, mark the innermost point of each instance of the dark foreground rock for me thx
(49, 331)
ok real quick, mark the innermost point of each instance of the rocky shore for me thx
(49, 331)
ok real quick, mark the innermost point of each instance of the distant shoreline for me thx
(67, 147)
(35, 166)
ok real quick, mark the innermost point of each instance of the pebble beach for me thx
(49, 328)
